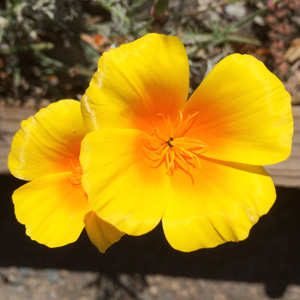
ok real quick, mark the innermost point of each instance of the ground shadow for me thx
(270, 255)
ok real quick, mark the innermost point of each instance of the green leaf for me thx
(242, 39)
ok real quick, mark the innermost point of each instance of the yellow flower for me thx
(196, 164)
(53, 205)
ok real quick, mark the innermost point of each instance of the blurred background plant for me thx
(49, 48)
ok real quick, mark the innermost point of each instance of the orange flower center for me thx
(172, 147)
(75, 177)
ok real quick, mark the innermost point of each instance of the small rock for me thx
(236, 10)
(44, 103)
(30, 103)
(52, 275)
(25, 271)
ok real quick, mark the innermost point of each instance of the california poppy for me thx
(53, 205)
(196, 165)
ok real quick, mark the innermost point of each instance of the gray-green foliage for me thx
(57, 37)
(27, 28)
(39, 38)
(128, 18)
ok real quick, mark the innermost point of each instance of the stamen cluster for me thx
(175, 150)
(75, 177)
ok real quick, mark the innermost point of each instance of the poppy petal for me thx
(52, 209)
(101, 233)
(48, 142)
(121, 187)
(150, 74)
(222, 204)
(244, 113)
